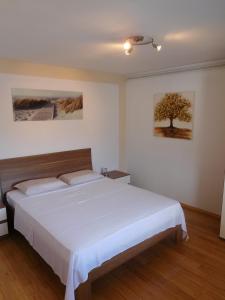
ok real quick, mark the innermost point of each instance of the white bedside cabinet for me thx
(118, 176)
(3, 221)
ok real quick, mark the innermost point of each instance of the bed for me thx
(85, 231)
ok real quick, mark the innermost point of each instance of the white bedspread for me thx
(77, 229)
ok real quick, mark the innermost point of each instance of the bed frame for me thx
(18, 169)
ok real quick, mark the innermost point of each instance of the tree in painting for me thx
(173, 106)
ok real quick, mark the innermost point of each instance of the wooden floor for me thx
(192, 270)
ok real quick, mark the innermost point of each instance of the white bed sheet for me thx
(76, 229)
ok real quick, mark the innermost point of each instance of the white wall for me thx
(98, 129)
(189, 171)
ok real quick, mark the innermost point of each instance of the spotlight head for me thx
(128, 51)
(156, 46)
(159, 48)
(127, 45)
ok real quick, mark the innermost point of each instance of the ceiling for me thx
(89, 34)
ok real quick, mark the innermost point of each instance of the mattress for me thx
(78, 228)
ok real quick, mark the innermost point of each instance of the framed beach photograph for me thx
(173, 115)
(43, 105)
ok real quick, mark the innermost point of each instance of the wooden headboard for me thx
(14, 170)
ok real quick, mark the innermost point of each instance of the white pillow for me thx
(79, 177)
(37, 186)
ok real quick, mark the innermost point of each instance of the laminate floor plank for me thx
(194, 269)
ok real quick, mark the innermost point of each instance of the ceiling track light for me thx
(139, 40)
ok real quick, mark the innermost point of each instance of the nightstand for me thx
(118, 176)
(3, 221)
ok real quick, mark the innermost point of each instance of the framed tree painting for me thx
(173, 115)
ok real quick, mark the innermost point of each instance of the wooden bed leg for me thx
(83, 292)
(178, 234)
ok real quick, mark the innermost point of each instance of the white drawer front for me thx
(3, 214)
(3, 229)
(125, 179)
